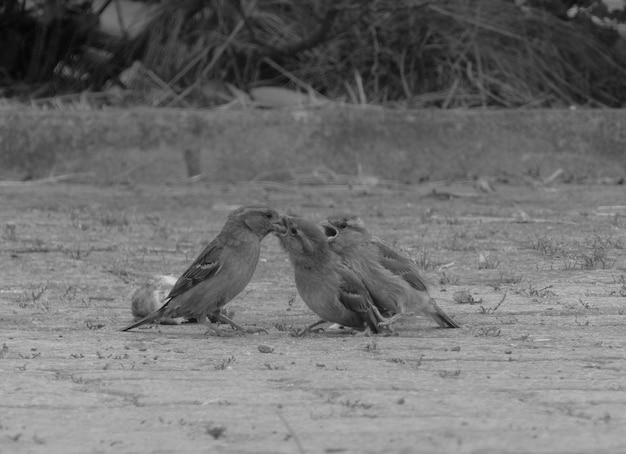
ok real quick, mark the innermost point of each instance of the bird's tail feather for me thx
(442, 318)
(372, 322)
(148, 318)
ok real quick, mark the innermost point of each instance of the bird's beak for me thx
(330, 232)
(282, 226)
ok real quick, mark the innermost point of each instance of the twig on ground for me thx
(47, 180)
(296, 439)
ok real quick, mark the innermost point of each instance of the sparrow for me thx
(221, 271)
(391, 277)
(328, 287)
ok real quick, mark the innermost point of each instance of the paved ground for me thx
(538, 367)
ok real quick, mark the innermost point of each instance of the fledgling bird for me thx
(221, 271)
(325, 284)
(392, 278)
(148, 297)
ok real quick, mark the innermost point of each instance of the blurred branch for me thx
(317, 37)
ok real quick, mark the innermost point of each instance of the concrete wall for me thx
(145, 145)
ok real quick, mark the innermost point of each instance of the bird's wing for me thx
(399, 265)
(206, 266)
(352, 293)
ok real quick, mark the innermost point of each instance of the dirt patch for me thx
(541, 372)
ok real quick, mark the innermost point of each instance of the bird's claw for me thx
(256, 331)
(386, 331)
(221, 333)
(394, 318)
(305, 331)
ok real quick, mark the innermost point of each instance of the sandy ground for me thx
(538, 367)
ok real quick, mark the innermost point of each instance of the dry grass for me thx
(446, 54)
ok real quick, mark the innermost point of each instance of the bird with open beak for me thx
(392, 278)
(221, 271)
(329, 288)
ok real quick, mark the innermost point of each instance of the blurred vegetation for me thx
(413, 53)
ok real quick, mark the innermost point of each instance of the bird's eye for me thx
(293, 231)
(268, 215)
(343, 225)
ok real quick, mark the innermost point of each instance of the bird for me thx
(391, 277)
(328, 287)
(149, 296)
(221, 271)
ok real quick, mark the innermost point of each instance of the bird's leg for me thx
(381, 323)
(222, 318)
(391, 320)
(213, 330)
(309, 329)
(385, 321)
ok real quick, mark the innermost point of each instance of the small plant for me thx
(38, 293)
(70, 293)
(544, 292)
(372, 346)
(111, 220)
(356, 404)
(587, 306)
(580, 323)
(490, 331)
(622, 290)
(619, 220)
(283, 327)
(418, 362)
(76, 379)
(93, 326)
(446, 279)
(74, 217)
(510, 278)
(396, 361)
(425, 261)
(290, 300)
(77, 252)
(604, 242)
(36, 296)
(569, 264)
(119, 268)
(506, 279)
(465, 297)
(10, 233)
(450, 373)
(595, 258)
(548, 246)
(225, 363)
(161, 230)
(216, 431)
(591, 254)
(488, 262)
(490, 310)
(461, 242)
